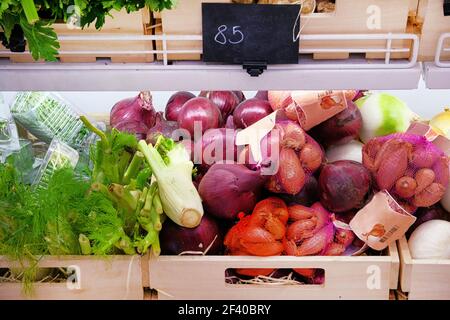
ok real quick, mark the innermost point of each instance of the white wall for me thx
(424, 102)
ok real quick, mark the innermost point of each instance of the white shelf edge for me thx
(103, 76)
(436, 77)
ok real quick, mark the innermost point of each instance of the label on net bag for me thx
(381, 222)
(427, 131)
(315, 107)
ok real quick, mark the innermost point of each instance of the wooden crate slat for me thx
(194, 277)
(423, 279)
(434, 24)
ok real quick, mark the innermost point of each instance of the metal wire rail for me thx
(386, 63)
(441, 49)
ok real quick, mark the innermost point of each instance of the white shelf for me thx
(437, 73)
(436, 77)
(105, 76)
(354, 73)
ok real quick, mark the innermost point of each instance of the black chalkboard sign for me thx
(250, 34)
(447, 8)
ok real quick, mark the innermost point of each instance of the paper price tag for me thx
(381, 222)
(254, 134)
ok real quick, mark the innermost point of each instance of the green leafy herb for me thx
(41, 38)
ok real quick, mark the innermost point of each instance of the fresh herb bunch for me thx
(32, 19)
(121, 175)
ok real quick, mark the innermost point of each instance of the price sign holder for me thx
(251, 35)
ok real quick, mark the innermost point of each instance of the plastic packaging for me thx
(46, 115)
(9, 137)
(59, 155)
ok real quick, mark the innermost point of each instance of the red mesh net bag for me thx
(412, 169)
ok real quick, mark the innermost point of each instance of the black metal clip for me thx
(255, 68)
(447, 8)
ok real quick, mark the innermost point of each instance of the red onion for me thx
(202, 111)
(344, 185)
(230, 123)
(139, 129)
(228, 189)
(307, 196)
(226, 101)
(214, 142)
(270, 146)
(176, 239)
(262, 95)
(340, 129)
(134, 115)
(250, 111)
(162, 127)
(240, 95)
(175, 103)
(359, 94)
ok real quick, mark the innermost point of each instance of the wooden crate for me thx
(121, 24)
(112, 278)
(350, 17)
(423, 279)
(203, 277)
(434, 23)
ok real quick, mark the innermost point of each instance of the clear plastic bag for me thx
(411, 168)
(59, 155)
(9, 137)
(46, 115)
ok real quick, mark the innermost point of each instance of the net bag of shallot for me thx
(411, 168)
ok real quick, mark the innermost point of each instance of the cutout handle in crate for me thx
(90, 278)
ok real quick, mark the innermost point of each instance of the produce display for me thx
(176, 183)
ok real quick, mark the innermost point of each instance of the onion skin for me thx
(240, 95)
(175, 103)
(311, 157)
(270, 145)
(139, 129)
(229, 124)
(161, 127)
(228, 189)
(291, 134)
(424, 177)
(200, 110)
(392, 168)
(344, 185)
(175, 239)
(134, 115)
(250, 111)
(290, 176)
(214, 140)
(226, 101)
(262, 95)
(307, 196)
(340, 129)
(406, 187)
(429, 196)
